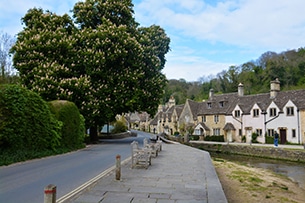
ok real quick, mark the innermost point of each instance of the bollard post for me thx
(50, 194)
(118, 167)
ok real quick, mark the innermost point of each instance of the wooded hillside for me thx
(288, 67)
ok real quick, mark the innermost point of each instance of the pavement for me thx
(179, 174)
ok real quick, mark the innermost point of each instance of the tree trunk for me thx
(93, 134)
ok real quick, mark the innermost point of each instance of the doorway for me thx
(283, 136)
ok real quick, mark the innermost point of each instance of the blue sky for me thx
(207, 36)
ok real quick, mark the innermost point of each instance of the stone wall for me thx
(264, 152)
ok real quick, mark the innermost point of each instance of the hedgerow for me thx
(73, 129)
(26, 121)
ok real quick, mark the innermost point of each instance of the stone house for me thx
(235, 115)
(138, 120)
(164, 121)
(238, 116)
(212, 114)
(188, 116)
(266, 113)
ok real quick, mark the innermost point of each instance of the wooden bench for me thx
(139, 157)
(159, 145)
(152, 147)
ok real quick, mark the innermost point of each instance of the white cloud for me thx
(12, 11)
(207, 36)
(193, 71)
(185, 64)
(244, 27)
(242, 23)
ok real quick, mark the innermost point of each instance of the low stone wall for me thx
(264, 152)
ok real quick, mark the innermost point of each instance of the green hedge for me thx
(26, 121)
(269, 139)
(73, 129)
(215, 138)
(119, 126)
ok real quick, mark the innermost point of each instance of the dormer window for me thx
(209, 105)
(237, 113)
(289, 111)
(272, 112)
(221, 104)
(255, 112)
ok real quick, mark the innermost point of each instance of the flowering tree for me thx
(106, 65)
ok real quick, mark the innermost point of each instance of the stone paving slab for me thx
(179, 174)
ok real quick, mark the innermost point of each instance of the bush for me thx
(26, 121)
(194, 137)
(269, 140)
(73, 129)
(254, 138)
(119, 127)
(243, 139)
(215, 138)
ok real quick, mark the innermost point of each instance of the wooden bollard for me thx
(50, 194)
(118, 167)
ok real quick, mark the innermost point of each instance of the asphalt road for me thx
(25, 182)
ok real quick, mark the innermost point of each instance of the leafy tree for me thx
(106, 66)
(92, 13)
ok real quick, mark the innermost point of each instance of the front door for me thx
(249, 135)
(229, 135)
(283, 136)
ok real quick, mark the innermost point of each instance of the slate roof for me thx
(229, 126)
(204, 126)
(194, 106)
(225, 103)
(219, 104)
(179, 109)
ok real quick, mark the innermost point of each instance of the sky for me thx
(207, 36)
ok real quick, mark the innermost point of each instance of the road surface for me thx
(25, 182)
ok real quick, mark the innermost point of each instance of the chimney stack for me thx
(211, 94)
(240, 90)
(274, 88)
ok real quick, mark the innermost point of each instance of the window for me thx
(204, 119)
(272, 112)
(293, 133)
(221, 104)
(259, 132)
(255, 112)
(240, 133)
(289, 111)
(237, 113)
(216, 131)
(270, 132)
(209, 105)
(216, 118)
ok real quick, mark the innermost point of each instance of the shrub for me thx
(254, 138)
(269, 140)
(119, 126)
(26, 121)
(73, 129)
(243, 139)
(194, 137)
(214, 138)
